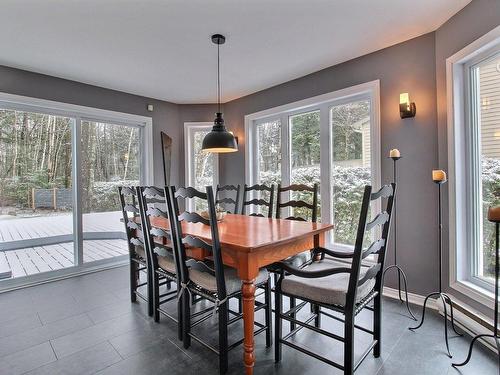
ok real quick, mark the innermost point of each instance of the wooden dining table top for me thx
(245, 233)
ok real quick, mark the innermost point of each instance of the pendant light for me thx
(219, 140)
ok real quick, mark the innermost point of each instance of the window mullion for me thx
(77, 192)
(326, 142)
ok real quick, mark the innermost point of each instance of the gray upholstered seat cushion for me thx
(202, 275)
(299, 260)
(167, 263)
(331, 289)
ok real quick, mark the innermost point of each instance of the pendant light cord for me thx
(218, 77)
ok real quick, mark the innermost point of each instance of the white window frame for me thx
(189, 129)
(323, 103)
(460, 185)
(78, 114)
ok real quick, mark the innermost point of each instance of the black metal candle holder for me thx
(395, 266)
(445, 298)
(495, 319)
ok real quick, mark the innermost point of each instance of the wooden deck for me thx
(45, 243)
(38, 259)
(17, 229)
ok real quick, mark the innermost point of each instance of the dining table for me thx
(248, 244)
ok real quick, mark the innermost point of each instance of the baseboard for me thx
(478, 324)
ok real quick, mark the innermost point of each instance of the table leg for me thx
(248, 292)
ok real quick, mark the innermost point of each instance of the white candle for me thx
(394, 153)
(438, 175)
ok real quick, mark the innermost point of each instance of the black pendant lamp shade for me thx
(219, 140)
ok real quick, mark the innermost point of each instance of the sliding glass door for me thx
(59, 174)
(110, 157)
(36, 199)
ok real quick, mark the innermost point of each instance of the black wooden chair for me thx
(210, 280)
(339, 286)
(305, 208)
(258, 202)
(135, 241)
(227, 200)
(158, 245)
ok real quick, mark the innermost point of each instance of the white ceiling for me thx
(162, 48)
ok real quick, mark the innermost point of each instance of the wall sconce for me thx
(406, 108)
(235, 137)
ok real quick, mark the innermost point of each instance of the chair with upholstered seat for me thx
(158, 245)
(226, 200)
(300, 204)
(137, 253)
(255, 198)
(341, 284)
(210, 279)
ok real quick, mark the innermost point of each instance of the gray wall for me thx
(472, 22)
(165, 115)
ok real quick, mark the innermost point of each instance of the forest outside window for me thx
(333, 142)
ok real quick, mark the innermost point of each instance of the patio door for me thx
(60, 168)
(36, 196)
(110, 157)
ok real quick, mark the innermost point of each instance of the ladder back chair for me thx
(258, 202)
(210, 280)
(158, 244)
(227, 200)
(343, 288)
(135, 241)
(305, 208)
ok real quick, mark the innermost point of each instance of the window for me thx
(201, 167)
(332, 140)
(484, 150)
(474, 163)
(60, 166)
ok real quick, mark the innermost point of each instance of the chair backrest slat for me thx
(258, 189)
(228, 200)
(308, 209)
(131, 217)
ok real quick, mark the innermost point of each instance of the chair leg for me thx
(377, 325)
(156, 297)
(186, 320)
(269, 314)
(133, 281)
(180, 319)
(349, 344)
(317, 319)
(240, 304)
(150, 292)
(293, 315)
(223, 345)
(278, 307)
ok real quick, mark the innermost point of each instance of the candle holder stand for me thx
(495, 334)
(395, 266)
(445, 298)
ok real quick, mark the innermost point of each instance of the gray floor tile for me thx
(19, 325)
(26, 360)
(85, 338)
(42, 334)
(85, 362)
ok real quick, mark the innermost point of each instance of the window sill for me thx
(478, 294)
